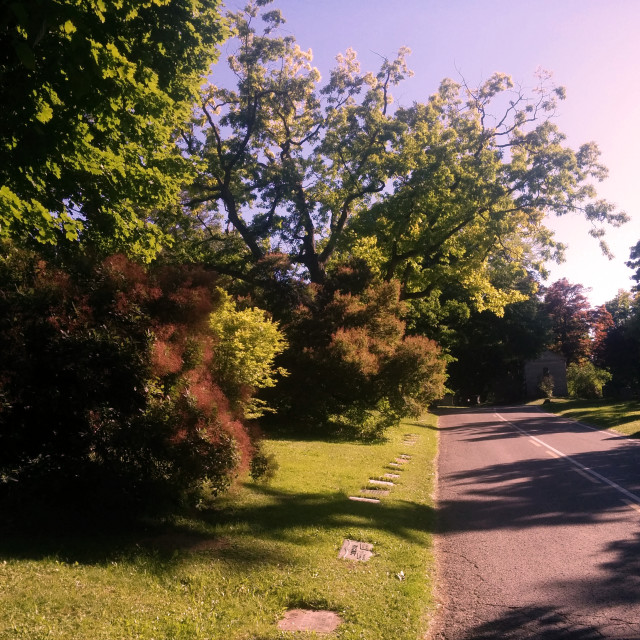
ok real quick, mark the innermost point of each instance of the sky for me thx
(592, 47)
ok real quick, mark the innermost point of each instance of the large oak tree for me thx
(452, 192)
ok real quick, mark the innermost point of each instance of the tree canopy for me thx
(92, 94)
(570, 313)
(314, 243)
(450, 192)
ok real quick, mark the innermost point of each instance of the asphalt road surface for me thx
(539, 530)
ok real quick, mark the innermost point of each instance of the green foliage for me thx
(108, 383)
(92, 94)
(264, 466)
(352, 368)
(622, 307)
(449, 194)
(489, 351)
(247, 344)
(585, 380)
(619, 344)
(634, 263)
(546, 386)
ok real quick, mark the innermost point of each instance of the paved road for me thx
(540, 528)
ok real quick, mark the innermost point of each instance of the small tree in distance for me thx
(546, 386)
(570, 312)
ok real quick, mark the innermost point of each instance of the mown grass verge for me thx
(621, 415)
(231, 573)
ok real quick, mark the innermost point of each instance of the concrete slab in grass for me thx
(356, 550)
(310, 620)
(374, 492)
(383, 483)
(361, 499)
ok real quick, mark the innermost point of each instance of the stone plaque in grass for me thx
(355, 550)
(391, 475)
(310, 620)
(383, 483)
(374, 492)
(361, 499)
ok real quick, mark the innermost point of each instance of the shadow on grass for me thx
(286, 516)
(605, 413)
(282, 516)
(417, 424)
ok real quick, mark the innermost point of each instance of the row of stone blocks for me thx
(328, 621)
(381, 486)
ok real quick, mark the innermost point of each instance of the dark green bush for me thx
(585, 380)
(351, 367)
(263, 466)
(107, 386)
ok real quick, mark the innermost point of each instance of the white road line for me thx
(614, 485)
(587, 476)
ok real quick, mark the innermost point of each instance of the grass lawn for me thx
(623, 416)
(231, 573)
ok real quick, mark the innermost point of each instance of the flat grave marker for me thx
(356, 550)
(310, 620)
(384, 483)
(374, 492)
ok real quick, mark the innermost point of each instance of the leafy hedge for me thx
(110, 392)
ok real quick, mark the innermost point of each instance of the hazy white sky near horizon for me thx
(591, 46)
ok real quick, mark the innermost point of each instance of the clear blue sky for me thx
(591, 46)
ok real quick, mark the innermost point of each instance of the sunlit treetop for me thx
(453, 190)
(92, 93)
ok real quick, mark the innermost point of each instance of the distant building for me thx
(549, 363)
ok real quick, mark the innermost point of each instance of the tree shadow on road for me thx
(539, 622)
(541, 490)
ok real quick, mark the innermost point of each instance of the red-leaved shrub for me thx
(107, 391)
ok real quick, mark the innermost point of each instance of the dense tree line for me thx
(180, 258)
(601, 345)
